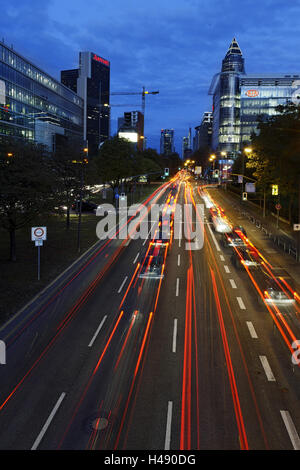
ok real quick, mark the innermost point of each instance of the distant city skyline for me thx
(176, 51)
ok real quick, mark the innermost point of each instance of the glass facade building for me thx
(260, 95)
(36, 106)
(92, 82)
(241, 100)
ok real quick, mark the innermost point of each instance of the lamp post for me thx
(212, 159)
(246, 150)
(82, 162)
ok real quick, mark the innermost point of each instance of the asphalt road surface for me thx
(188, 359)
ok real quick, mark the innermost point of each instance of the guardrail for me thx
(285, 243)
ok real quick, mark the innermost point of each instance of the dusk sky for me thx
(174, 46)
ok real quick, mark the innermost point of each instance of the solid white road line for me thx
(174, 336)
(222, 258)
(122, 285)
(168, 427)
(48, 422)
(98, 329)
(290, 427)
(227, 270)
(241, 303)
(251, 329)
(214, 238)
(135, 259)
(178, 260)
(233, 284)
(177, 287)
(267, 369)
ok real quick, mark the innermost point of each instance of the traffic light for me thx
(167, 172)
(245, 196)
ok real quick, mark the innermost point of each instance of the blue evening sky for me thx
(174, 46)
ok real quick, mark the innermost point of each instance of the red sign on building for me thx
(100, 59)
(252, 93)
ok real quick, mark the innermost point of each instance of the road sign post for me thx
(38, 235)
(278, 207)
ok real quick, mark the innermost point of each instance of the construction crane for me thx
(143, 93)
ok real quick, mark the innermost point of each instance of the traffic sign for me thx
(296, 227)
(38, 242)
(274, 189)
(38, 233)
(278, 207)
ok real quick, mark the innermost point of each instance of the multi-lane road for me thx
(106, 358)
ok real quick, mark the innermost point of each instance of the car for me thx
(244, 256)
(234, 238)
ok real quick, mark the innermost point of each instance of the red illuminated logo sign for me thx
(99, 59)
(252, 93)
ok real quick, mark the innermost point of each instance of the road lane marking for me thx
(122, 285)
(168, 427)
(97, 331)
(179, 243)
(290, 427)
(135, 259)
(267, 369)
(174, 336)
(251, 329)
(214, 238)
(178, 260)
(177, 287)
(128, 241)
(241, 303)
(227, 270)
(48, 422)
(233, 284)
(222, 258)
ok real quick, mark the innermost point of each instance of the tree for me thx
(68, 174)
(26, 186)
(276, 155)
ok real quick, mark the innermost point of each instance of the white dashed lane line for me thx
(251, 329)
(48, 422)
(174, 336)
(178, 260)
(135, 259)
(267, 369)
(222, 258)
(233, 284)
(122, 285)
(291, 429)
(241, 303)
(227, 270)
(97, 331)
(168, 427)
(177, 287)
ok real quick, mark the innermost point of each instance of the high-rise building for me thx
(34, 105)
(241, 100)
(226, 101)
(167, 141)
(203, 132)
(92, 82)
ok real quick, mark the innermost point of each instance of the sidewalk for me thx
(282, 241)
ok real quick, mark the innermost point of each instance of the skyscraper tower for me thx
(225, 89)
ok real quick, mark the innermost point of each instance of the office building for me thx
(203, 132)
(91, 81)
(241, 100)
(34, 105)
(167, 141)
